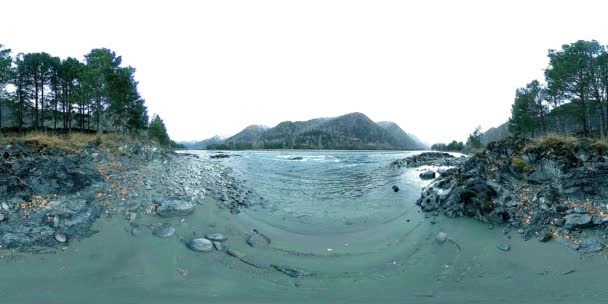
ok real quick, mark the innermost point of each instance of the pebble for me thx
(218, 237)
(520, 231)
(290, 271)
(545, 236)
(504, 247)
(60, 237)
(200, 245)
(164, 232)
(5, 206)
(136, 231)
(441, 237)
(132, 216)
(235, 253)
(258, 240)
(1, 217)
(218, 246)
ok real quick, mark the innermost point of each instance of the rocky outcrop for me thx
(428, 159)
(556, 185)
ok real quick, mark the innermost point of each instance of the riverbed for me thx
(332, 215)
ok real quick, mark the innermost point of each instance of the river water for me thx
(331, 214)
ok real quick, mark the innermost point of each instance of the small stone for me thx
(1, 217)
(520, 231)
(132, 216)
(136, 231)
(258, 240)
(5, 206)
(504, 247)
(218, 246)
(235, 253)
(441, 237)
(395, 188)
(200, 245)
(218, 237)
(164, 231)
(175, 208)
(545, 236)
(579, 210)
(60, 237)
(290, 271)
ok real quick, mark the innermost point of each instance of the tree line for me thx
(576, 81)
(45, 92)
(473, 143)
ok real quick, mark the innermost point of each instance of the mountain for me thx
(203, 144)
(250, 134)
(407, 139)
(497, 133)
(353, 131)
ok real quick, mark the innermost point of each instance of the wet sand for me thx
(393, 262)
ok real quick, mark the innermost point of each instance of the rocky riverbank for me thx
(50, 196)
(555, 188)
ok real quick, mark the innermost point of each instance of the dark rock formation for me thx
(561, 185)
(427, 174)
(428, 159)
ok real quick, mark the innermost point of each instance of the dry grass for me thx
(552, 141)
(73, 142)
(601, 144)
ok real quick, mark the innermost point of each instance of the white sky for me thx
(437, 68)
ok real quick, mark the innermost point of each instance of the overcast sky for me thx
(437, 68)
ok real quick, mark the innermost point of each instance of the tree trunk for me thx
(42, 105)
(36, 99)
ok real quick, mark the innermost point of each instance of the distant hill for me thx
(353, 131)
(203, 144)
(401, 136)
(497, 133)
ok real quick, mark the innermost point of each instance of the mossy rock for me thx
(520, 165)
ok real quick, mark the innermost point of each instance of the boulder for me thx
(175, 208)
(575, 220)
(200, 245)
(589, 246)
(428, 174)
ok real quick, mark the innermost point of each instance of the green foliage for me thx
(5, 76)
(576, 73)
(50, 93)
(529, 109)
(158, 132)
(474, 140)
(454, 146)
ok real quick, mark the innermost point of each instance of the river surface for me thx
(332, 214)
